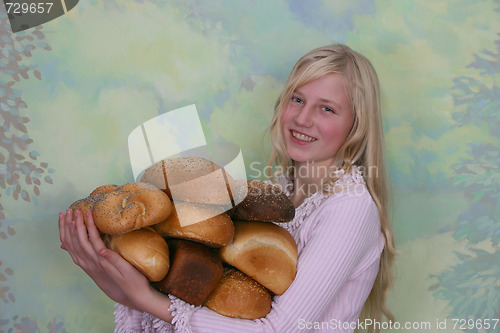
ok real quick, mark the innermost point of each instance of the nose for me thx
(304, 116)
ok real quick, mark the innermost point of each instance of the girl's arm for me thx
(116, 277)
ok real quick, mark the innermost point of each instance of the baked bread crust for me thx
(211, 228)
(263, 202)
(239, 296)
(145, 249)
(265, 252)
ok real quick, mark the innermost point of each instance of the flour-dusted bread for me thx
(239, 296)
(265, 252)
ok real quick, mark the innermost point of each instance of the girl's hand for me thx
(116, 277)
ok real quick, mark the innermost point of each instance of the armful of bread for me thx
(140, 222)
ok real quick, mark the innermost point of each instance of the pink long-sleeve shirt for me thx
(339, 243)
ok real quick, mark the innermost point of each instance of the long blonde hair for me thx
(364, 145)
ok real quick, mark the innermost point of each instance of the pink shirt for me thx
(339, 244)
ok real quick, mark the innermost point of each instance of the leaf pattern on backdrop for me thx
(21, 173)
(471, 287)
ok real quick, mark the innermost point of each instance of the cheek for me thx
(285, 120)
(335, 132)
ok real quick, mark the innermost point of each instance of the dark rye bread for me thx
(264, 202)
(194, 271)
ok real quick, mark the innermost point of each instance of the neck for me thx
(309, 178)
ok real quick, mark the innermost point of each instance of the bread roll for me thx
(104, 189)
(194, 272)
(131, 207)
(192, 179)
(265, 252)
(213, 229)
(264, 202)
(144, 249)
(88, 203)
(85, 204)
(239, 296)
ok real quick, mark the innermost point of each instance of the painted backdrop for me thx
(73, 89)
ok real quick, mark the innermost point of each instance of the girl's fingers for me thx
(62, 229)
(110, 262)
(83, 238)
(94, 237)
(66, 224)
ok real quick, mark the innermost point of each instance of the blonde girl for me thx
(328, 155)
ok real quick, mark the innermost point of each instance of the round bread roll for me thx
(264, 202)
(192, 179)
(130, 207)
(239, 296)
(265, 252)
(145, 250)
(211, 227)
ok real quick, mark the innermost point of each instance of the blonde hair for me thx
(363, 146)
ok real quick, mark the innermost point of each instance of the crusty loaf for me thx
(263, 202)
(194, 272)
(145, 249)
(192, 179)
(130, 207)
(239, 296)
(204, 225)
(265, 252)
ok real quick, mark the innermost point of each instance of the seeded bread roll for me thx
(144, 249)
(130, 207)
(210, 227)
(239, 296)
(192, 179)
(194, 272)
(86, 204)
(265, 252)
(264, 202)
(104, 189)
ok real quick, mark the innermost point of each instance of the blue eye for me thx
(297, 100)
(327, 109)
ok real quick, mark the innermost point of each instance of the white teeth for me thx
(302, 137)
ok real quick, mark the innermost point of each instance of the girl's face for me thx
(317, 120)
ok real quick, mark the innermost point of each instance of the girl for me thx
(327, 154)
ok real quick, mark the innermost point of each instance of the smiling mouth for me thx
(302, 137)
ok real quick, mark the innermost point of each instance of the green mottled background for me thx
(72, 90)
